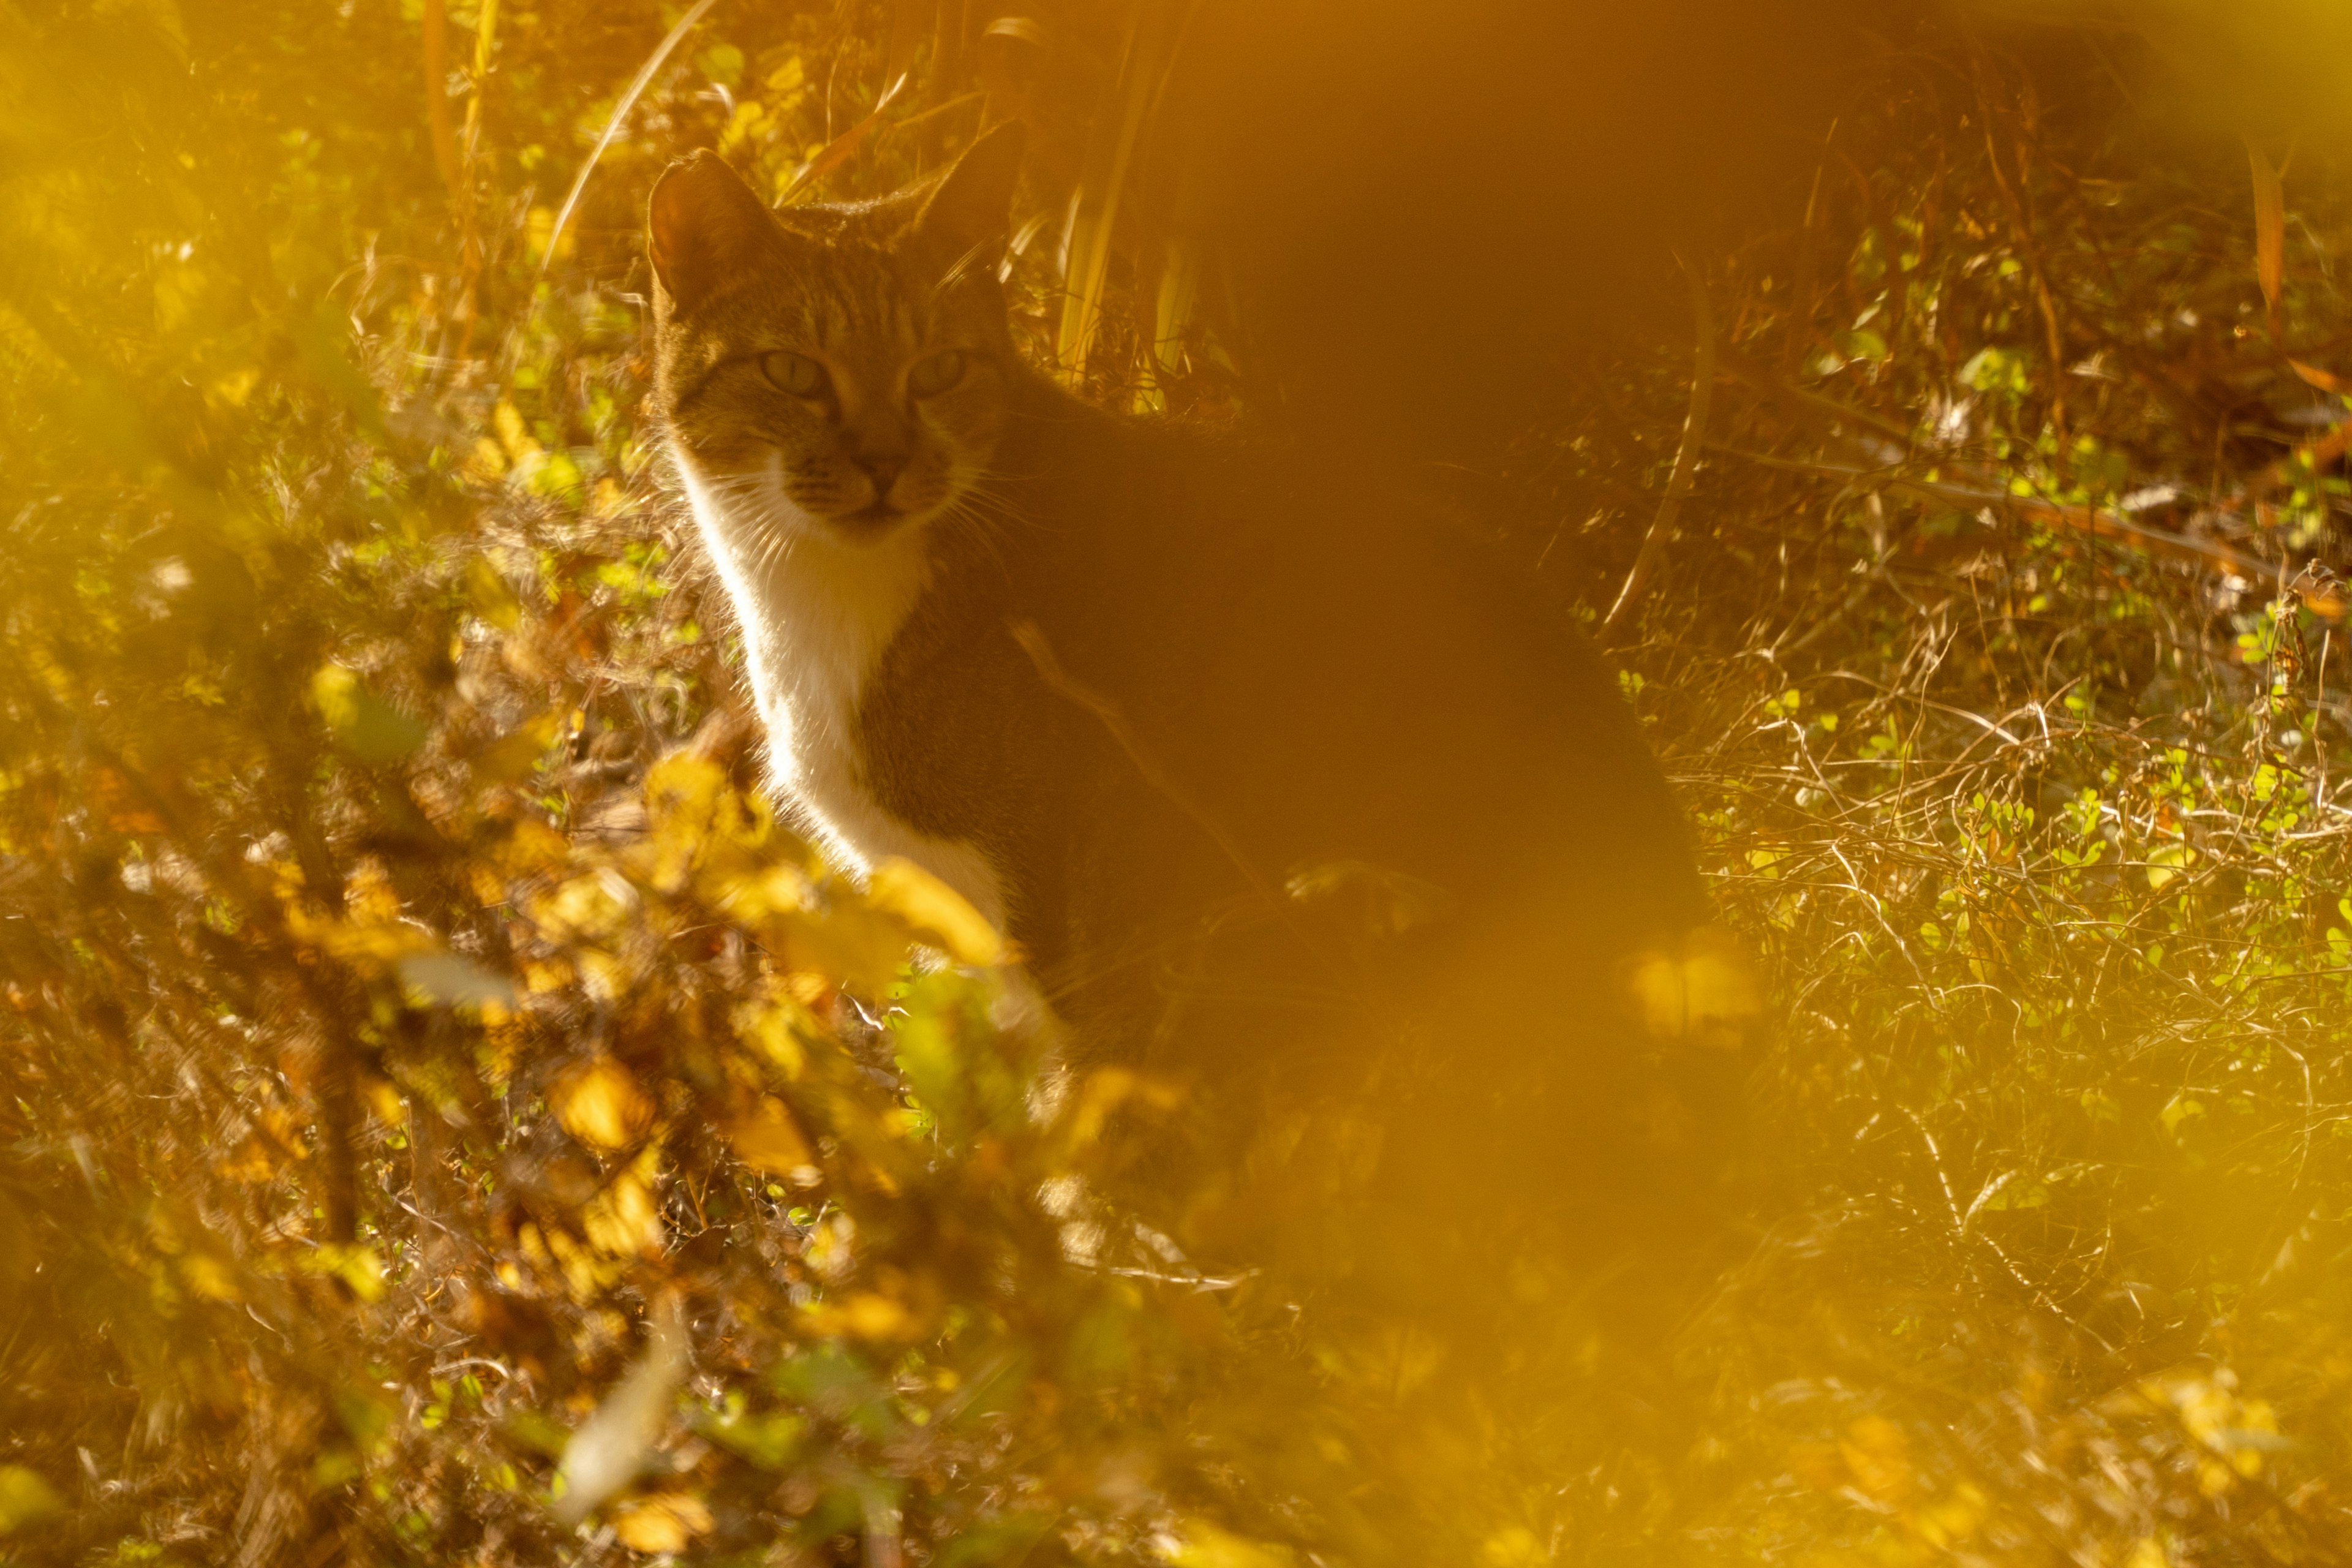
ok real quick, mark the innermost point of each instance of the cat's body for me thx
(1301, 670)
(817, 618)
(1257, 761)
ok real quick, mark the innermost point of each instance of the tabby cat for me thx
(1280, 784)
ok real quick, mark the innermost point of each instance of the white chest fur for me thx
(817, 615)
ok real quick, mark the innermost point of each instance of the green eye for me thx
(796, 373)
(934, 375)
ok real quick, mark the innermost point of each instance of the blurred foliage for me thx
(447, 1120)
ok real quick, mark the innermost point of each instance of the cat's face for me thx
(838, 370)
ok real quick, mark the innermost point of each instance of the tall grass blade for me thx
(909, 20)
(628, 100)
(1174, 287)
(1087, 270)
(2270, 230)
(1179, 293)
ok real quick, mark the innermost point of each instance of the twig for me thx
(1678, 486)
(1803, 399)
(2103, 522)
(2014, 194)
(1962, 1235)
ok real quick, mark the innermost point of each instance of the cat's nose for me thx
(883, 468)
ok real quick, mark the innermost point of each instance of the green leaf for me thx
(493, 600)
(363, 724)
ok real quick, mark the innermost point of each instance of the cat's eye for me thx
(932, 376)
(796, 373)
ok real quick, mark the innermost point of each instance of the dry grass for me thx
(420, 1097)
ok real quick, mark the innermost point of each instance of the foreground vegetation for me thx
(447, 1119)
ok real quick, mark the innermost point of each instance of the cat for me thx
(1256, 759)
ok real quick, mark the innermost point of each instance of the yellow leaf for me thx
(489, 889)
(539, 226)
(777, 890)
(585, 908)
(603, 976)
(2178, 1110)
(742, 127)
(513, 755)
(513, 434)
(769, 1139)
(369, 947)
(210, 1278)
(587, 1273)
(384, 1097)
(935, 911)
(531, 846)
(685, 785)
(600, 1103)
(1200, 1544)
(487, 461)
(775, 1029)
(1878, 1453)
(623, 1220)
(868, 1315)
(1514, 1546)
(25, 1500)
(230, 391)
(666, 1522)
(493, 600)
(853, 945)
(1956, 1518)
(254, 1162)
(357, 1266)
(378, 945)
(831, 1246)
(683, 796)
(334, 691)
(2166, 862)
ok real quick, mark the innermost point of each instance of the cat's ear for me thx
(967, 214)
(703, 224)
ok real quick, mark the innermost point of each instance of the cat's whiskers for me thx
(990, 489)
(961, 519)
(760, 511)
(752, 507)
